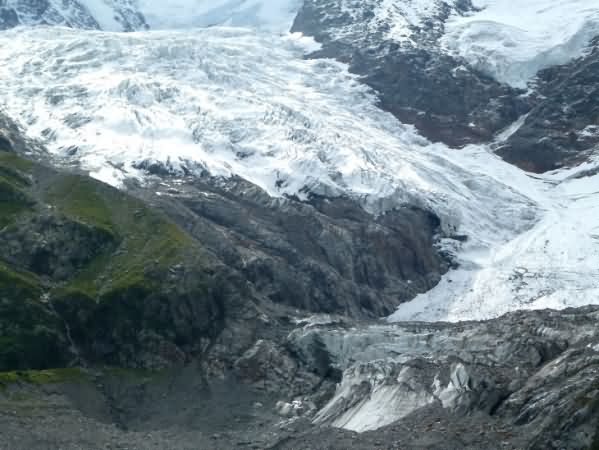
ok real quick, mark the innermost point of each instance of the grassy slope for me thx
(146, 246)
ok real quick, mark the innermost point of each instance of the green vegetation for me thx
(13, 199)
(122, 283)
(34, 343)
(147, 240)
(41, 377)
(29, 336)
(18, 283)
(80, 198)
(12, 176)
(14, 161)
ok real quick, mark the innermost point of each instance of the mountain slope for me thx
(80, 262)
(274, 195)
(464, 72)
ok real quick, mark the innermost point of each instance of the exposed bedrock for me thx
(326, 256)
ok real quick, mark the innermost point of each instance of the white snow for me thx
(555, 264)
(396, 20)
(403, 16)
(513, 41)
(273, 15)
(102, 11)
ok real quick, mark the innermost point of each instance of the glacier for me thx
(138, 15)
(237, 97)
(235, 102)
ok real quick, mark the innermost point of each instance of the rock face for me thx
(563, 126)
(325, 256)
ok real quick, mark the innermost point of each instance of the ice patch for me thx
(513, 42)
(385, 401)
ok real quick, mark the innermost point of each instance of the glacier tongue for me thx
(552, 265)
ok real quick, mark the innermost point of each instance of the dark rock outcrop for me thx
(562, 129)
(53, 246)
(325, 256)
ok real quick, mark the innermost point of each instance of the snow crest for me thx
(513, 42)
